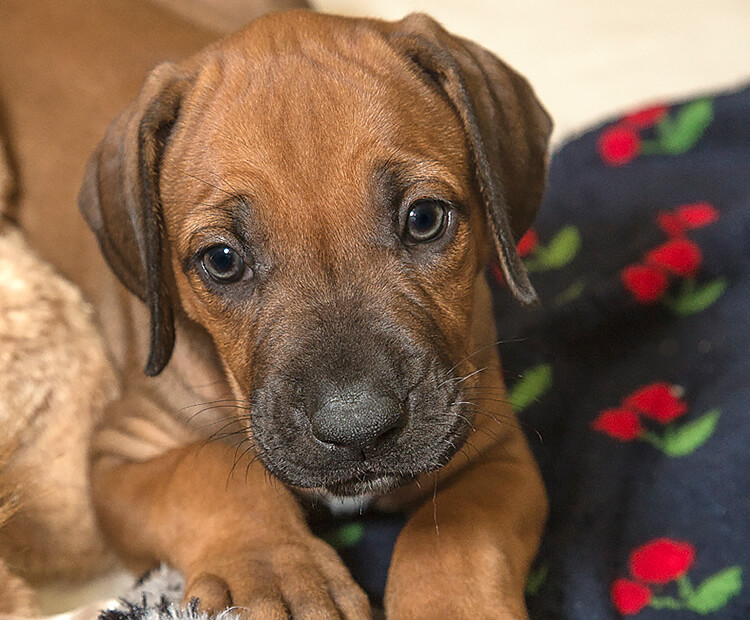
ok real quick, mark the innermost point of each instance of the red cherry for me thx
(528, 243)
(687, 217)
(662, 560)
(621, 424)
(646, 117)
(629, 597)
(647, 284)
(618, 145)
(658, 401)
(697, 215)
(681, 257)
(671, 224)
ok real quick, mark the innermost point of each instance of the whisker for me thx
(212, 437)
(252, 461)
(212, 402)
(464, 378)
(468, 444)
(520, 424)
(462, 417)
(504, 401)
(499, 400)
(215, 408)
(509, 420)
(500, 419)
(223, 180)
(227, 424)
(228, 435)
(483, 348)
(237, 459)
(221, 420)
(434, 503)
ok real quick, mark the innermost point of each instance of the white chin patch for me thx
(345, 506)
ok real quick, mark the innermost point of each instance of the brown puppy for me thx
(305, 211)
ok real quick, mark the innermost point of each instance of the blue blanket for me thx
(635, 372)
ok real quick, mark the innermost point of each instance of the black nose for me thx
(355, 416)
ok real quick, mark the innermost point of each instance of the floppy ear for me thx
(507, 130)
(121, 203)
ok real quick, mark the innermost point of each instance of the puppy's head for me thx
(322, 194)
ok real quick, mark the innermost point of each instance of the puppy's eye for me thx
(427, 220)
(223, 264)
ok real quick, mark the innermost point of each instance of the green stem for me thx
(666, 602)
(651, 147)
(670, 302)
(684, 587)
(536, 263)
(653, 439)
(688, 287)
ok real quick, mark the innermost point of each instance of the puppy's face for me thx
(316, 197)
(325, 231)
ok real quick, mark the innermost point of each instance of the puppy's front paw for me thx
(438, 594)
(451, 576)
(293, 579)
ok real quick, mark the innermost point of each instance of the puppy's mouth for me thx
(379, 484)
(423, 446)
(362, 420)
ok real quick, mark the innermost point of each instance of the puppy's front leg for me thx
(238, 539)
(467, 554)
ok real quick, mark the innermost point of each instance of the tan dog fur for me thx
(55, 379)
(162, 492)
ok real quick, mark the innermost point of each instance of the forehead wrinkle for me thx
(325, 164)
(304, 130)
(291, 84)
(308, 68)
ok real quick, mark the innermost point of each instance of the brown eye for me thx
(427, 220)
(223, 264)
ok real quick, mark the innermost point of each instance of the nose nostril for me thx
(389, 432)
(356, 417)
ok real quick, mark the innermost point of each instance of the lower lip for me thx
(374, 486)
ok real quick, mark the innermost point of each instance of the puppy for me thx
(54, 381)
(299, 218)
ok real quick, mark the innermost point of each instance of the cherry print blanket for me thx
(633, 377)
(635, 372)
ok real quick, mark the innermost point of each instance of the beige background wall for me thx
(589, 59)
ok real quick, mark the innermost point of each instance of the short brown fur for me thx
(200, 146)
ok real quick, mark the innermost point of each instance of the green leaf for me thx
(715, 592)
(569, 294)
(679, 135)
(536, 579)
(534, 382)
(346, 536)
(558, 252)
(694, 301)
(687, 438)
